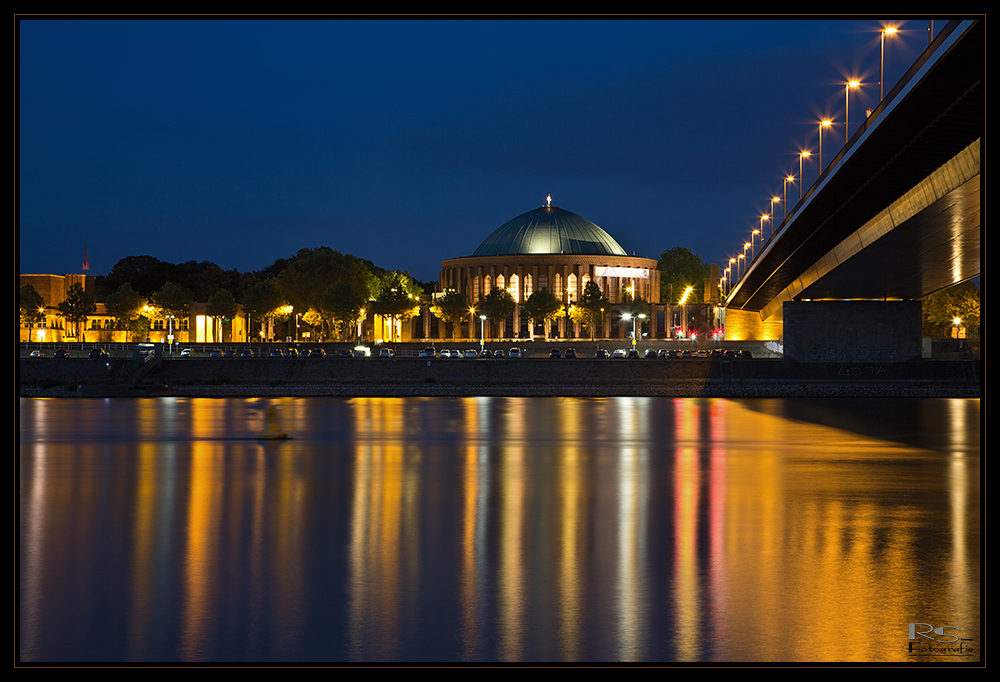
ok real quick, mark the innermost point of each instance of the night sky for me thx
(404, 142)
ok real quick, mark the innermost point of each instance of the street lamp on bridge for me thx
(802, 154)
(888, 31)
(826, 123)
(847, 106)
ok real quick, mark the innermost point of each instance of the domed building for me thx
(551, 248)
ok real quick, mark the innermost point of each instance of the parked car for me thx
(185, 353)
(570, 353)
(555, 353)
(61, 353)
(650, 353)
(247, 353)
(101, 353)
(602, 353)
(619, 353)
(427, 353)
(215, 354)
(471, 353)
(515, 353)
(36, 354)
(317, 353)
(385, 353)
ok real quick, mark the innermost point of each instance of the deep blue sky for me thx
(406, 142)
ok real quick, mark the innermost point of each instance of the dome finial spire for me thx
(548, 200)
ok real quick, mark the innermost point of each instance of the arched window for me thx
(528, 291)
(571, 291)
(514, 290)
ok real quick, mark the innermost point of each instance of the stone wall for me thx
(852, 331)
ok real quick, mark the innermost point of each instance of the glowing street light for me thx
(635, 319)
(822, 124)
(847, 106)
(774, 200)
(482, 332)
(890, 31)
(802, 155)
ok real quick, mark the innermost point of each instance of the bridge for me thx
(894, 217)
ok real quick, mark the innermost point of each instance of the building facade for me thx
(196, 327)
(554, 249)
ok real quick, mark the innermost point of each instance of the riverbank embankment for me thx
(373, 377)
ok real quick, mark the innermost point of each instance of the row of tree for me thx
(332, 292)
(540, 307)
(329, 291)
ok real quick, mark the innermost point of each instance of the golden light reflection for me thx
(378, 551)
(566, 529)
(200, 554)
(686, 483)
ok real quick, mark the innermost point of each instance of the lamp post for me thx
(822, 124)
(847, 106)
(802, 155)
(482, 333)
(891, 30)
(635, 320)
(774, 200)
(784, 211)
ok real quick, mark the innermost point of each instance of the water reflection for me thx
(496, 529)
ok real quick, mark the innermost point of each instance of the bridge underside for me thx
(925, 241)
(893, 218)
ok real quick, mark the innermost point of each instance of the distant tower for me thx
(712, 285)
(86, 265)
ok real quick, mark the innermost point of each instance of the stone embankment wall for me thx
(535, 376)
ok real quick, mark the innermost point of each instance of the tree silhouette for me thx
(496, 306)
(126, 306)
(30, 307)
(541, 306)
(451, 308)
(77, 307)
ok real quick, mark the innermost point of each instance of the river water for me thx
(499, 530)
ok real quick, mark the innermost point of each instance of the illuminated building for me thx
(551, 248)
(99, 327)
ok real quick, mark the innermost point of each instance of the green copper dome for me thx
(549, 230)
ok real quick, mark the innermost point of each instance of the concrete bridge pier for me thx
(852, 331)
